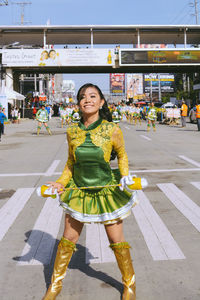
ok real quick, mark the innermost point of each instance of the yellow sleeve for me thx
(119, 147)
(68, 170)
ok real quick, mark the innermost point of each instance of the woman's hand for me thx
(57, 186)
(124, 181)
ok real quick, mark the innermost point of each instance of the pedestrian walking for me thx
(184, 111)
(2, 120)
(90, 144)
(42, 118)
(198, 115)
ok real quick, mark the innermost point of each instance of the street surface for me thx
(163, 230)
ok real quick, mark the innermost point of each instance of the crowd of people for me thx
(133, 113)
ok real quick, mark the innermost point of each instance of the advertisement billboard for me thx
(152, 81)
(57, 57)
(131, 57)
(117, 83)
(135, 88)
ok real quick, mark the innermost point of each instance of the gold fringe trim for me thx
(122, 245)
(66, 242)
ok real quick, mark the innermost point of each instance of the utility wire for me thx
(178, 15)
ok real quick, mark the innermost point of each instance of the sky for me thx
(97, 12)
(108, 12)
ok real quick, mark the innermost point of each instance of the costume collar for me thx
(91, 126)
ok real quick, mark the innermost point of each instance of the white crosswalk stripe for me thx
(98, 251)
(182, 202)
(196, 184)
(159, 240)
(10, 210)
(39, 247)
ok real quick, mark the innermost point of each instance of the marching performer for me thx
(151, 117)
(75, 115)
(88, 191)
(116, 115)
(63, 115)
(42, 118)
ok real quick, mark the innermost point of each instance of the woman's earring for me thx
(100, 107)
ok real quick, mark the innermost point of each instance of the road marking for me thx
(127, 127)
(21, 174)
(159, 240)
(40, 244)
(145, 137)
(12, 208)
(191, 161)
(135, 171)
(52, 168)
(182, 202)
(98, 251)
(165, 170)
(196, 184)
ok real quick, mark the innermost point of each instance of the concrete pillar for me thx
(9, 79)
(41, 90)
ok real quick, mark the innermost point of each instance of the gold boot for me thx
(48, 130)
(123, 257)
(38, 130)
(63, 257)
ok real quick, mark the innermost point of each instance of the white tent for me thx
(13, 95)
(7, 95)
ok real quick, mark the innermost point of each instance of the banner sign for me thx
(57, 57)
(117, 83)
(131, 57)
(152, 81)
(135, 86)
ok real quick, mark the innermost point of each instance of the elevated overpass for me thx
(97, 43)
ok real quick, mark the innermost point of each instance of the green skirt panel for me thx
(106, 205)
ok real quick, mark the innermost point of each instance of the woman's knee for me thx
(72, 229)
(71, 237)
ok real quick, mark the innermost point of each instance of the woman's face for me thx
(90, 101)
(44, 55)
(52, 54)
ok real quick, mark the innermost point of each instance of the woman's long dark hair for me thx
(103, 112)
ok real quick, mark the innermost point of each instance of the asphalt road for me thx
(163, 230)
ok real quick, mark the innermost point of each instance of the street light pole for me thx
(159, 88)
(196, 12)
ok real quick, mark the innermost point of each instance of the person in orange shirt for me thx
(184, 112)
(198, 115)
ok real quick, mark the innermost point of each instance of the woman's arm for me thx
(119, 147)
(68, 170)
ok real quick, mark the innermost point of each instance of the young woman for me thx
(42, 118)
(151, 117)
(91, 143)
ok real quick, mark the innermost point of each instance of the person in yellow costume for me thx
(91, 143)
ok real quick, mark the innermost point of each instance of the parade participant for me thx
(69, 114)
(131, 113)
(42, 118)
(90, 144)
(34, 112)
(151, 117)
(198, 115)
(63, 114)
(75, 115)
(116, 115)
(184, 111)
(138, 114)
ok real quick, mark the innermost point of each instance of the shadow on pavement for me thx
(77, 261)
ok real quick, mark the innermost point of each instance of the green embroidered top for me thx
(89, 151)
